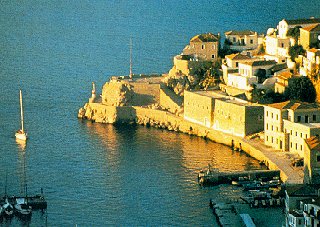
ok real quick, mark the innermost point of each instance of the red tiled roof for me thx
(313, 143)
(312, 28)
(303, 21)
(285, 75)
(237, 56)
(208, 37)
(294, 105)
(260, 63)
(244, 32)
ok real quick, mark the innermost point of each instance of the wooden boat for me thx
(21, 134)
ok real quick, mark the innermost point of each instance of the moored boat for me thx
(22, 208)
(7, 208)
(21, 134)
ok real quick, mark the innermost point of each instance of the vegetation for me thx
(294, 32)
(315, 45)
(296, 50)
(261, 49)
(301, 89)
(225, 50)
(266, 97)
(261, 74)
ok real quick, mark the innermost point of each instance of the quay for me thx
(210, 177)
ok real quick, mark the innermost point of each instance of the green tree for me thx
(261, 74)
(294, 32)
(295, 50)
(300, 88)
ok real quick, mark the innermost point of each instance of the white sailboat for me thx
(21, 134)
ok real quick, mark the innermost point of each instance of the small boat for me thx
(21, 134)
(22, 208)
(7, 208)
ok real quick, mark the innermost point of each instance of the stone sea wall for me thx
(162, 119)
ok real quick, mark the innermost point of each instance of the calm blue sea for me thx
(99, 175)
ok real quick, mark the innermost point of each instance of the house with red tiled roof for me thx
(203, 47)
(312, 160)
(242, 40)
(231, 64)
(310, 36)
(288, 124)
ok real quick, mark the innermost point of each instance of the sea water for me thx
(94, 174)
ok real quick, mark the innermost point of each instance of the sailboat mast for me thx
(130, 74)
(21, 110)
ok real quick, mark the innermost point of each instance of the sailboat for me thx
(21, 134)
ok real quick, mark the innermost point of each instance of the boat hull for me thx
(21, 136)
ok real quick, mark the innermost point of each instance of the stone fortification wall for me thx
(170, 101)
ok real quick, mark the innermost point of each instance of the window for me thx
(272, 115)
(291, 144)
(267, 138)
(306, 119)
(301, 147)
(203, 46)
(299, 119)
(237, 65)
(296, 133)
(212, 56)
(234, 39)
(296, 146)
(272, 127)
(271, 139)
(267, 113)
(314, 117)
(282, 45)
(267, 126)
(277, 116)
(251, 41)
(301, 134)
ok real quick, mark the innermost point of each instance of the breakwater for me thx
(101, 113)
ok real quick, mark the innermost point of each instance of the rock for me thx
(117, 93)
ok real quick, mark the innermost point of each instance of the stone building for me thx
(282, 81)
(277, 48)
(231, 64)
(289, 123)
(199, 106)
(310, 36)
(204, 47)
(242, 40)
(246, 75)
(312, 160)
(310, 62)
(284, 25)
(237, 117)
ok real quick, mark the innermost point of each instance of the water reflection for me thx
(21, 171)
(21, 145)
